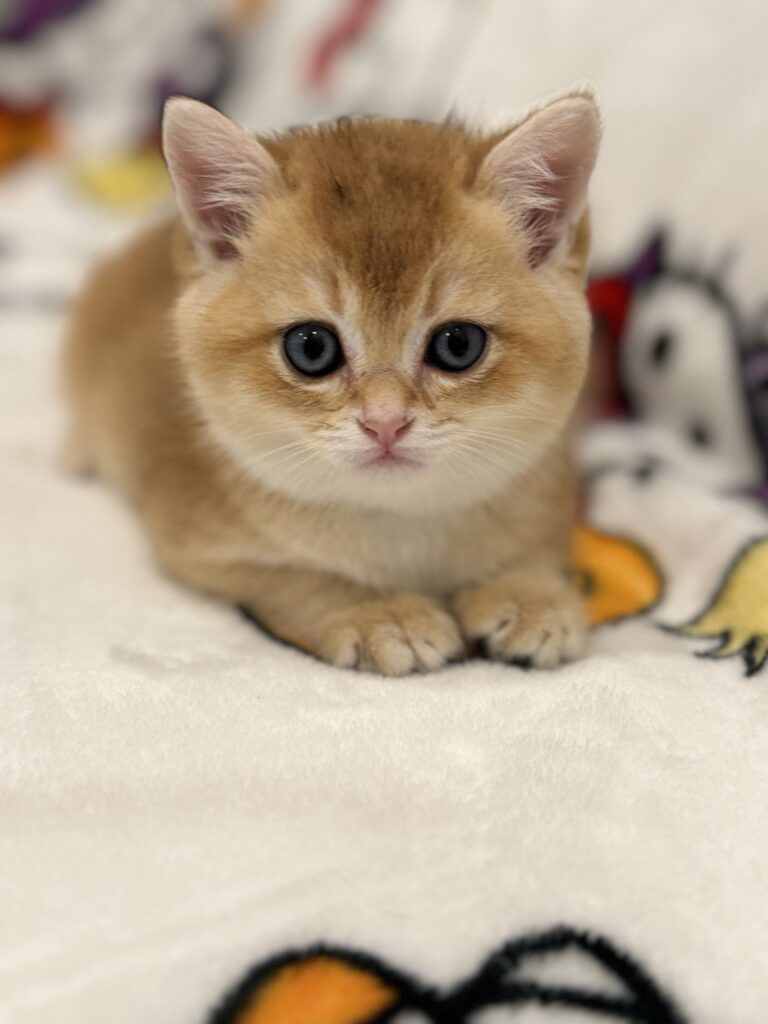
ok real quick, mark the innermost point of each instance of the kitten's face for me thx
(381, 337)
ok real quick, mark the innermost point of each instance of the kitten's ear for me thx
(541, 168)
(220, 172)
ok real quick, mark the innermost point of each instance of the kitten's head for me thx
(385, 313)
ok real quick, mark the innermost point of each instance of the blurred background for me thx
(680, 198)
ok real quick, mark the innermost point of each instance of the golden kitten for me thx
(338, 388)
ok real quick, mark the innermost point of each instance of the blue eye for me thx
(313, 349)
(456, 346)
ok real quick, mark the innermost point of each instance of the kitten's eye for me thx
(313, 349)
(456, 346)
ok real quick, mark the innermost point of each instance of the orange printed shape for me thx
(618, 577)
(323, 990)
(25, 133)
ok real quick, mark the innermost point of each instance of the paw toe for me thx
(395, 637)
(539, 629)
(389, 651)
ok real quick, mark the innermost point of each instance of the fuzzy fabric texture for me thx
(182, 798)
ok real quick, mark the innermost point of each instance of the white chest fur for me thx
(430, 554)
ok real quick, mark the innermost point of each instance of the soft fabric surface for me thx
(183, 799)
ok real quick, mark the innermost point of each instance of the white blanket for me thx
(182, 799)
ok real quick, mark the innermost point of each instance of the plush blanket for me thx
(198, 823)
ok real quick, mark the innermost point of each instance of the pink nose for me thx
(387, 431)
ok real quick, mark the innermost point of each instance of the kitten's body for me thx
(172, 404)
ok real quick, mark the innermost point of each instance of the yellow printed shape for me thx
(618, 577)
(323, 990)
(132, 182)
(738, 614)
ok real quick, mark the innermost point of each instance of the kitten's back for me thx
(119, 375)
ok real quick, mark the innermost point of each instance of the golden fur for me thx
(246, 478)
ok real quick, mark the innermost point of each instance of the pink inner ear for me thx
(557, 193)
(215, 200)
(221, 224)
(220, 172)
(541, 226)
(541, 170)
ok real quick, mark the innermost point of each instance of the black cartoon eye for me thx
(661, 348)
(700, 434)
(313, 349)
(456, 346)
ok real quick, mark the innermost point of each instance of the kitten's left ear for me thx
(541, 168)
(220, 172)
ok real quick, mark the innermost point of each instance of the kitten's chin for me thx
(397, 485)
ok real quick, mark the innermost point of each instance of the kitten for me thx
(338, 388)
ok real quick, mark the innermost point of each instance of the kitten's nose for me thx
(386, 430)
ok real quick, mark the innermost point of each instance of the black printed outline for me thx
(669, 272)
(710, 283)
(644, 1002)
(752, 349)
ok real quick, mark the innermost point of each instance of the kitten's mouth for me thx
(389, 459)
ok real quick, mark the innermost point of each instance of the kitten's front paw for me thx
(535, 624)
(394, 636)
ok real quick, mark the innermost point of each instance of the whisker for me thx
(501, 439)
(463, 469)
(491, 458)
(501, 444)
(289, 469)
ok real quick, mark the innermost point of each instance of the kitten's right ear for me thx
(220, 173)
(541, 168)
